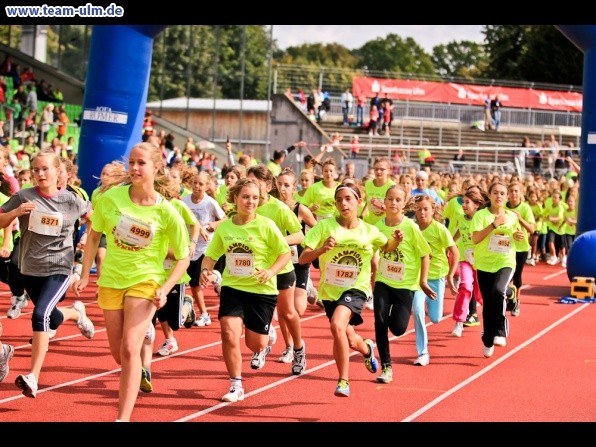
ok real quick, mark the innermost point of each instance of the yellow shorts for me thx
(109, 298)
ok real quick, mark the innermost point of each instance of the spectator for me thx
(31, 100)
(63, 122)
(488, 120)
(495, 111)
(347, 101)
(355, 146)
(6, 66)
(47, 119)
(360, 104)
(425, 158)
(374, 118)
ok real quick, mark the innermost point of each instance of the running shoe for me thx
(7, 353)
(146, 386)
(343, 388)
(203, 320)
(458, 329)
(18, 304)
(84, 323)
(472, 320)
(258, 358)
(488, 352)
(422, 360)
(386, 375)
(272, 335)
(169, 346)
(192, 315)
(28, 384)
(299, 361)
(234, 395)
(371, 363)
(287, 356)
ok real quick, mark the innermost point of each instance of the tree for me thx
(465, 58)
(533, 53)
(395, 54)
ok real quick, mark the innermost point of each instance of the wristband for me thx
(493, 224)
(194, 241)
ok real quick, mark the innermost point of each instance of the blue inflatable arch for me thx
(581, 260)
(115, 96)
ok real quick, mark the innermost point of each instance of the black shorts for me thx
(302, 273)
(194, 271)
(102, 241)
(354, 299)
(255, 309)
(172, 311)
(286, 280)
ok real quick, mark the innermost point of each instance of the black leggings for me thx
(393, 308)
(493, 288)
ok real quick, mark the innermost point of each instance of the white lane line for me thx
(494, 364)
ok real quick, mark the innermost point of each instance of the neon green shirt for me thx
(347, 265)
(439, 238)
(189, 219)
(284, 218)
(453, 211)
(525, 211)
(319, 194)
(137, 238)
(259, 243)
(501, 253)
(408, 253)
(375, 192)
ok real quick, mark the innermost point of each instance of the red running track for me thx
(546, 373)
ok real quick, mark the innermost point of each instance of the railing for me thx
(479, 167)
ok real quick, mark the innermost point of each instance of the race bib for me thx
(47, 223)
(392, 270)
(340, 275)
(134, 231)
(294, 252)
(500, 244)
(240, 264)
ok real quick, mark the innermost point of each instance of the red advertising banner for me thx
(409, 90)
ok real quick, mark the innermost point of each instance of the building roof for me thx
(249, 105)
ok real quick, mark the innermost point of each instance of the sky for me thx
(354, 36)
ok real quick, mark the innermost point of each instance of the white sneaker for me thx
(369, 303)
(84, 323)
(422, 360)
(203, 320)
(500, 341)
(28, 384)
(458, 329)
(488, 352)
(272, 335)
(234, 395)
(287, 356)
(169, 346)
(564, 262)
(258, 358)
(52, 333)
(18, 304)
(149, 335)
(312, 295)
(553, 261)
(5, 356)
